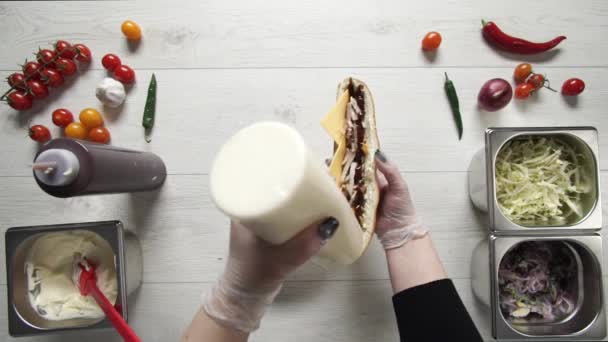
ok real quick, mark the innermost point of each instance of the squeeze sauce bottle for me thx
(268, 179)
(67, 167)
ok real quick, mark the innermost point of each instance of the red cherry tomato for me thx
(40, 133)
(65, 49)
(110, 62)
(45, 57)
(62, 117)
(124, 74)
(37, 89)
(83, 53)
(99, 135)
(523, 90)
(16, 80)
(52, 77)
(32, 70)
(19, 100)
(521, 72)
(573, 87)
(431, 41)
(537, 80)
(66, 67)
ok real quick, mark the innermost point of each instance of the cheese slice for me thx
(335, 125)
(335, 167)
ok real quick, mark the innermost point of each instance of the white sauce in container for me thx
(50, 268)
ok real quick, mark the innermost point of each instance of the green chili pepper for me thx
(450, 91)
(150, 108)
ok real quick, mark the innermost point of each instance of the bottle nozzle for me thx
(46, 167)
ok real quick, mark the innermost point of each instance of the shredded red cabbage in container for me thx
(537, 281)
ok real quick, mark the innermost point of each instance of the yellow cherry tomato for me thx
(131, 30)
(76, 130)
(90, 118)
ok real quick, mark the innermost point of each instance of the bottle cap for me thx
(56, 167)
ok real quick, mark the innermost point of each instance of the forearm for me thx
(205, 329)
(414, 263)
(421, 309)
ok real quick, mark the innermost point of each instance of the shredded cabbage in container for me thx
(539, 181)
(538, 281)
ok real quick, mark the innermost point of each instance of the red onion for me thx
(494, 95)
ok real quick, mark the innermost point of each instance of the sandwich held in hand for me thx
(286, 187)
(352, 125)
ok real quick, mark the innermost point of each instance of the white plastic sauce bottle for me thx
(268, 179)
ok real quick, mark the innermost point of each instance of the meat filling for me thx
(353, 185)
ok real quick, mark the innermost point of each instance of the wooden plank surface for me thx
(184, 239)
(311, 33)
(224, 64)
(326, 311)
(200, 109)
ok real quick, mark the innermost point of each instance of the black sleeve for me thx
(433, 312)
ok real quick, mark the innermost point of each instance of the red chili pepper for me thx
(493, 34)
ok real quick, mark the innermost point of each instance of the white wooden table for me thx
(224, 64)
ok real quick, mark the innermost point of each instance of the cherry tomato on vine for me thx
(110, 62)
(124, 74)
(52, 77)
(32, 70)
(83, 54)
(521, 72)
(131, 30)
(90, 118)
(573, 87)
(16, 80)
(431, 41)
(523, 90)
(45, 57)
(37, 89)
(39, 133)
(537, 80)
(19, 100)
(65, 49)
(62, 117)
(66, 67)
(99, 135)
(76, 130)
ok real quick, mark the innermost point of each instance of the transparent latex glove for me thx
(396, 221)
(255, 271)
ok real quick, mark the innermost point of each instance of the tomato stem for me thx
(549, 87)
(13, 87)
(547, 84)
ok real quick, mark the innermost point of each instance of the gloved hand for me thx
(396, 221)
(255, 271)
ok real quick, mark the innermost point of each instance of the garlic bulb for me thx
(111, 92)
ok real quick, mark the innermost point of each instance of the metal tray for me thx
(588, 321)
(482, 189)
(23, 319)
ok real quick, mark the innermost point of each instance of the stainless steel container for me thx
(482, 175)
(23, 320)
(588, 321)
(580, 235)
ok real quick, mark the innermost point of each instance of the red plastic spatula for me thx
(86, 282)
